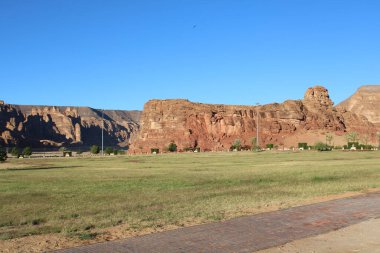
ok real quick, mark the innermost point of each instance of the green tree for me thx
(95, 149)
(27, 151)
(3, 155)
(15, 152)
(237, 144)
(320, 146)
(109, 150)
(352, 137)
(172, 147)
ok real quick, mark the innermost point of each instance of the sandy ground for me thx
(363, 237)
(48, 242)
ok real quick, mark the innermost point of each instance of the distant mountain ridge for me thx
(365, 101)
(190, 125)
(41, 126)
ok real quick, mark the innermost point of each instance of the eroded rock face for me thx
(365, 102)
(56, 126)
(215, 127)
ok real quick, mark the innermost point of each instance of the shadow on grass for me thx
(44, 168)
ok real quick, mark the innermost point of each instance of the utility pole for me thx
(102, 132)
(257, 126)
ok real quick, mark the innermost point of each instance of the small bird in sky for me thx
(194, 26)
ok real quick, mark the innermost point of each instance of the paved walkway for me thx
(250, 233)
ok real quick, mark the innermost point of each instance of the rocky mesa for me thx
(365, 101)
(46, 126)
(215, 127)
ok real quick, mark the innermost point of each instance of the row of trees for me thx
(95, 149)
(25, 152)
(15, 152)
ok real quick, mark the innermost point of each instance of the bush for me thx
(62, 149)
(27, 151)
(115, 152)
(320, 146)
(353, 144)
(172, 147)
(154, 150)
(302, 145)
(95, 149)
(108, 150)
(121, 152)
(15, 152)
(236, 145)
(3, 155)
(270, 145)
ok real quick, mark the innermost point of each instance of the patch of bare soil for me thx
(363, 237)
(42, 243)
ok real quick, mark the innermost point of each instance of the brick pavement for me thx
(250, 233)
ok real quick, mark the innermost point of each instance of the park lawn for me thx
(75, 196)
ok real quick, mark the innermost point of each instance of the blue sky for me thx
(119, 54)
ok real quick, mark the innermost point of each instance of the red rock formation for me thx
(56, 126)
(365, 102)
(215, 127)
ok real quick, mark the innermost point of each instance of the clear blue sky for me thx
(119, 54)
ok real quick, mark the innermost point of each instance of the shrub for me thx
(27, 151)
(79, 152)
(154, 150)
(3, 155)
(121, 152)
(109, 150)
(236, 145)
(115, 152)
(270, 145)
(95, 149)
(62, 149)
(172, 147)
(302, 145)
(15, 152)
(353, 144)
(320, 146)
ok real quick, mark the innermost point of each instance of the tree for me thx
(352, 137)
(365, 139)
(95, 149)
(172, 147)
(3, 155)
(27, 151)
(320, 146)
(15, 152)
(329, 138)
(236, 145)
(109, 150)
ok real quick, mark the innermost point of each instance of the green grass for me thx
(78, 196)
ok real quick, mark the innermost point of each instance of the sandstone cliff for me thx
(39, 126)
(366, 102)
(215, 127)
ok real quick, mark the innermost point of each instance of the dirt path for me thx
(252, 233)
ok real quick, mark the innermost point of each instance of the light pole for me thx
(102, 132)
(257, 125)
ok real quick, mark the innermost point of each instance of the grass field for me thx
(75, 196)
